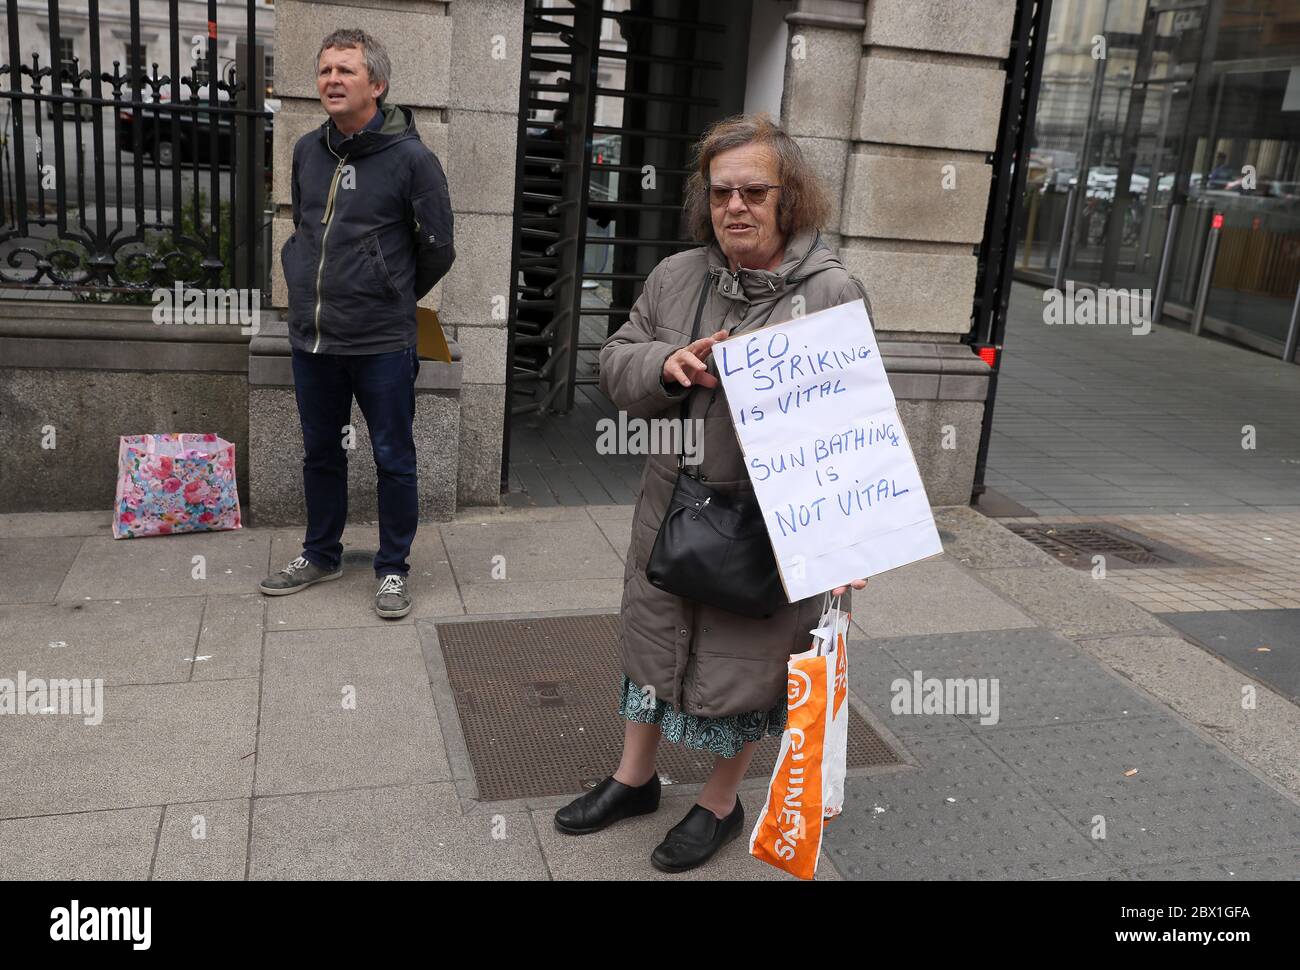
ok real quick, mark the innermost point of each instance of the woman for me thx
(694, 673)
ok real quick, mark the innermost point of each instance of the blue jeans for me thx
(384, 386)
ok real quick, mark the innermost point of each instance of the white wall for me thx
(768, 36)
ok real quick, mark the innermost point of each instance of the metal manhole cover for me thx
(538, 704)
(1076, 544)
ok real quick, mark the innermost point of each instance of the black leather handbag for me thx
(712, 546)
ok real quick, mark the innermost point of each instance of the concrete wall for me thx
(457, 64)
(902, 134)
(96, 372)
(275, 439)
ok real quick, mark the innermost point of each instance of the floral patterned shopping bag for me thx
(170, 483)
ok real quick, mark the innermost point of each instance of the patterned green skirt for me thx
(723, 736)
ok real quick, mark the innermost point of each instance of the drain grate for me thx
(1075, 545)
(538, 705)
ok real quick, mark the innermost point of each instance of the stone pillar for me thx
(916, 133)
(456, 64)
(484, 120)
(818, 101)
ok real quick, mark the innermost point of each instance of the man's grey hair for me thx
(378, 66)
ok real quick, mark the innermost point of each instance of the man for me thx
(1222, 173)
(372, 235)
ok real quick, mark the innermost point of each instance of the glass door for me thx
(1257, 188)
(1243, 151)
(1133, 143)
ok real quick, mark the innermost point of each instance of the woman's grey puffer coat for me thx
(700, 659)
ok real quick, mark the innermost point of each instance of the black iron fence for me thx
(997, 253)
(117, 179)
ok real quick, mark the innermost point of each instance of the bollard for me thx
(1293, 331)
(1207, 273)
(1063, 251)
(1030, 227)
(1162, 278)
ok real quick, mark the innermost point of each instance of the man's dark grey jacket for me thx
(372, 235)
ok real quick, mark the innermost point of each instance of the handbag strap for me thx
(695, 335)
(699, 306)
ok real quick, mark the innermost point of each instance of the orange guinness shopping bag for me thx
(807, 783)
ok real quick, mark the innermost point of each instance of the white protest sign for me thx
(825, 449)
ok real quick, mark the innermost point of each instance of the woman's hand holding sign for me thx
(688, 366)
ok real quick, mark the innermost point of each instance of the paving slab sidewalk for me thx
(306, 738)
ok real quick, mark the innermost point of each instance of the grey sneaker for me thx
(299, 574)
(392, 600)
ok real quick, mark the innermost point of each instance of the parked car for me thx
(194, 137)
(69, 110)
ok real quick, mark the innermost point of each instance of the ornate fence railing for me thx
(117, 179)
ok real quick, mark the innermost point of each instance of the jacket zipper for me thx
(328, 221)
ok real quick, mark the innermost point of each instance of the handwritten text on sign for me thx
(825, 450)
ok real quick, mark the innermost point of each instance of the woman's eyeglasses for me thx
(753, 194)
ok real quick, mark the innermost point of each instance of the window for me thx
(137, 60)
(270, 74)
(67, 66)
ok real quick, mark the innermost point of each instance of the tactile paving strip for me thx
(1185, 798)
(964, 815)
(1023, 803)
(538, 705)
(1042, 680)
(1283, 863)
(1021, 800)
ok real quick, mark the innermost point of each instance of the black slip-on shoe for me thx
(609, 802)
(696, 839)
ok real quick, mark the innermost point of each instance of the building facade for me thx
(153, 51)
(1157, 119)
(896, 102)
